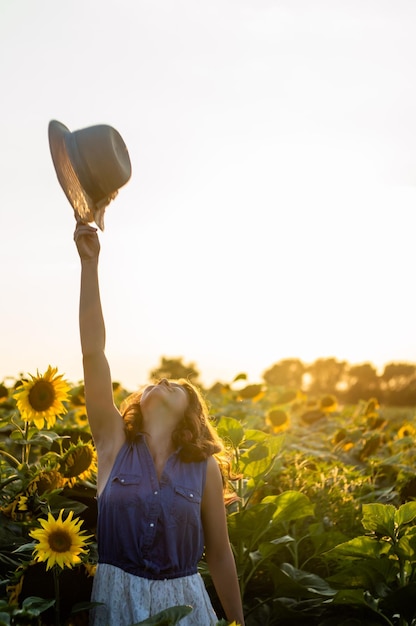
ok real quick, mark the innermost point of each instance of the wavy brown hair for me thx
(195, 436)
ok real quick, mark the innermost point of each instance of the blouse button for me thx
(191, 495)
(122, 480)
(151, 525)
(155, 493)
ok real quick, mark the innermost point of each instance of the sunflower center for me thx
(278, 418)
(42, 395)
(59, 541)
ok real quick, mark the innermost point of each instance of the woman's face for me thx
(172, 396)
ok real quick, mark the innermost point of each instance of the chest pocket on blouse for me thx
(125, 490)
(186, 505)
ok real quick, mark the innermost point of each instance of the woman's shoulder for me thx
(213, 469)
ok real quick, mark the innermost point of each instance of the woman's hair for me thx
(195, 436)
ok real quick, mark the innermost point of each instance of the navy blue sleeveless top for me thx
(150, 527)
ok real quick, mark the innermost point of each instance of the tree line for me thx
(350, 383)
(394, 386)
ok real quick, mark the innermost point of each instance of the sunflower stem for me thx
(16, 423)
(26, 447)
(57, 598)
(10, 457)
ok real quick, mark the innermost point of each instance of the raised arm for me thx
(219, 556)
(104, 418)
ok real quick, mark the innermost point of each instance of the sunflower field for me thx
(321, 514)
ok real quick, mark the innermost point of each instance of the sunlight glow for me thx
(271, 209)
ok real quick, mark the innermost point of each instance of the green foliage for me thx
(322, 514)
(41, 471)
(174, 368)
(169, 617)
(29, 613)
(305, 495)
(377, 569)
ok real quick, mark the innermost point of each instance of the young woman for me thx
(160, 489)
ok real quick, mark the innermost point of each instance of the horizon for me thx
(201, 380)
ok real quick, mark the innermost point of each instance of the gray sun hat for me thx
(91, 165)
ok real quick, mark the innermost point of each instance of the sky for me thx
(271, 211)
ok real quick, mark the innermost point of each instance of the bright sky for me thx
(272, 208)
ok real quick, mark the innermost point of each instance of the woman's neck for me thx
(159, 428)
(160, 446)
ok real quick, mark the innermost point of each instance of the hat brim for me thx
(84, 207)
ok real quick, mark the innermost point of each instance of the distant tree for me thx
(398, 384)
(285, 373)
(398, 375)
(174, 368)
(406, 396)
(326, 375)
(362, 383)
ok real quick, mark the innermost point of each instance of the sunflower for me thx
(328, 404)
(61, 542)
(4, 393)
(372, 406)
(14, 588)
(90, 568)
(17, 509)
(278, 420)
(407, 430)
(79, 463)
(45, 481)
(41, 399)
(374, 421)
(251, 392)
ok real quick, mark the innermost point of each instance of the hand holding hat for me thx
(87, 242)
(91, 165)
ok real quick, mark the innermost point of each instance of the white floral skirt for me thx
(129, 599)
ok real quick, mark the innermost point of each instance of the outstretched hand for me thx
(87, 241)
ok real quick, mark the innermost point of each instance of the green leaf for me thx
(379, 518)
(404, 549)
(360, 547)
(405, 513)
(353, 597)
(311, 582)
(275, 444)
(230, 429)
(52, 435)
(80, 607)
(410, 533)
(270, 548)
(168, 617)
(323, 539)
(253, 435)
(291, 582)
(366, 574)
(250, 524)
(56, 502)
(46, 438)
(16, 435)
(34, 606)
(256, 461)
(4, 619)
(26, 547)
(241, 376)
(290, 505)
